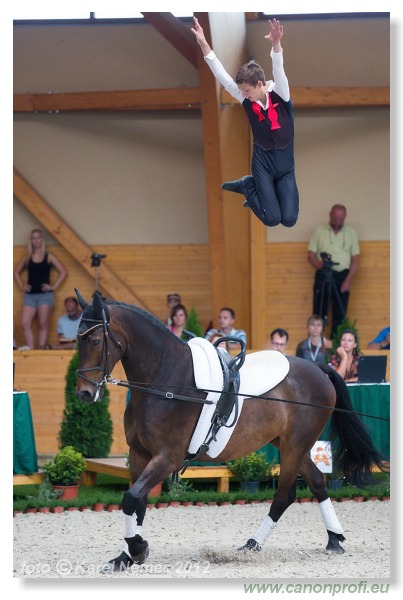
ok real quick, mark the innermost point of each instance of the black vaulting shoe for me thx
(238, 185)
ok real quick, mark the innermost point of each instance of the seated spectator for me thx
(279, 340)
(173, 298)
(67, 324)
(226, 320)
(315, 346)
(382, 340)
(216, 336)
(346, 359)
(178, 317)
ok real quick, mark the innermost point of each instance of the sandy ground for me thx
(201, 542)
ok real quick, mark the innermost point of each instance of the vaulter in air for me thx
(271, 192)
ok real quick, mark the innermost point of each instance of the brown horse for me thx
(158, 429)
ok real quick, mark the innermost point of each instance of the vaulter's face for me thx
(250, 92)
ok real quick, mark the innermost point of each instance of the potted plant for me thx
(64, 472)
(251, 470)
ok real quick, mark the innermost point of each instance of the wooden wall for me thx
(289, 283)
(42, 373)
(151, 271)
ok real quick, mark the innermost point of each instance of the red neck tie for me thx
(257, 109)
(272, 114)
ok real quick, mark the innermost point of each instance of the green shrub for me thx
(66, 468)
(253, 467)
(192, 323)
(86, 427)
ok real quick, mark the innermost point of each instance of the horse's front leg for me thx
(146, 475)
(284, 497)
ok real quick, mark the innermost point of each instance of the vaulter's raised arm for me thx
(280, 83)
(214, 64)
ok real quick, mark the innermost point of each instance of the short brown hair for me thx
(250, 73)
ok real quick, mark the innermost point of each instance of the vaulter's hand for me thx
(276, 32)
(198, 31)
(200, 38)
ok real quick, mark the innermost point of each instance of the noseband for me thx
(104, 368)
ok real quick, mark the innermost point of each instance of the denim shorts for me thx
(35, 300)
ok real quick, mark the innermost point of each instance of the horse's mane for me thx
(146, 315)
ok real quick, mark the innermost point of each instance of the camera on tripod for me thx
(327, 260)
(96, 259)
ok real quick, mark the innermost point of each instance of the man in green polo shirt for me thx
(341, 243)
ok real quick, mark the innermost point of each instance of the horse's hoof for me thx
(250, 546)
(138, 549)
(119, 564)
(333, 544)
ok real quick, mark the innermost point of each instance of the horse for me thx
(159, 425)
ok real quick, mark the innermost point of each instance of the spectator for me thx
(179, 316)
(279, 340)
(173, 298)
(226, 320)
(346, 359)
(216, 336)
(67, 324)
(315, 346)
(382, 340)
(341, 243)
(38, 291)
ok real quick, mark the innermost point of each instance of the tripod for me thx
(95, 262)
(325, 291)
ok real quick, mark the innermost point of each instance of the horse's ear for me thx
(98, 306)
(80, 299)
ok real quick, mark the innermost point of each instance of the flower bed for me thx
(186, 495)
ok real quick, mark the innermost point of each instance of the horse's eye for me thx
(95, 342)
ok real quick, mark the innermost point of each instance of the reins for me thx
(171, 396)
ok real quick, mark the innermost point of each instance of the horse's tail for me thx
(352, 448)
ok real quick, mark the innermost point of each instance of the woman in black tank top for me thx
(38, 290)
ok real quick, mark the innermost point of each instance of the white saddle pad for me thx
(260, 372)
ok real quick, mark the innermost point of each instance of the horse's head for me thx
(99, 349)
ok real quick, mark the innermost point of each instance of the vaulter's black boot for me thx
(238, 185)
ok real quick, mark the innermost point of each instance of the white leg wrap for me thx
(262, 533)
(329, 516)
(130, 526)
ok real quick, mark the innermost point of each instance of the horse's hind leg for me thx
(316, 483)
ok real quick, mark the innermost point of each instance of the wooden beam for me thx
(176, 33)
(160, 99)
(323, 97)
(190, 99)
(228, 35)
(258, 284)
(212, 161)
(110, 283)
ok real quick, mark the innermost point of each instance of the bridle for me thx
(103, 367)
